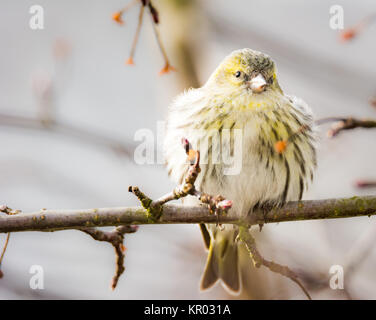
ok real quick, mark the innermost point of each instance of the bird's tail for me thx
(222, 261)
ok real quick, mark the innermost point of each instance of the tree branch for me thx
(350, 123)
(53, 220)
(159, 211)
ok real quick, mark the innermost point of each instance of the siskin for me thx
(241, 114)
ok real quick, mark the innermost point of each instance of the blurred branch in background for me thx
(350, 123)
(44, 89)
(366, 184)
(357, 29)
(66, 129)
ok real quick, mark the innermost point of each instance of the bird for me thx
(257, 146)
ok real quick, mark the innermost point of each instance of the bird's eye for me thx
(238, 74)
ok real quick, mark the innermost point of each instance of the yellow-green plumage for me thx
(242, 95)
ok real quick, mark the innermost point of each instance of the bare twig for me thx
(3, 253)
(352, 32)
(281, 145)
(116, 238)
(350, 123)
(365, 184)
(5, 209)
(154, 15)
(250, 243)
(118, 16)
(167, 67)
(216, 204)
(136, 35)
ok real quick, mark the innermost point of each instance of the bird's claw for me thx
(217, 205)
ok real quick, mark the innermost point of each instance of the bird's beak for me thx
(258, 83)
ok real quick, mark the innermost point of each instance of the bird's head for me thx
(246, 69)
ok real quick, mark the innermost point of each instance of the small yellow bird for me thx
(257, 146)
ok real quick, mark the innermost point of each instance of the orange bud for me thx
(348, 34)
(192, 155)
(166, 69)
(117, 17)
(122, 248)
(130, 61)
(280, 146)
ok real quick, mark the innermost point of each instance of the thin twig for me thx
(118, 16)
(136, 36)
(355, 30)
(5, 209)
(167, 67)
(250, 243)
(216, 204)
(3, 253)
(116, 238)
(365, 184)
(281, 145)
(350, 123)
(154, 15)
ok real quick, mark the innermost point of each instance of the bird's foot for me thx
(217, 204)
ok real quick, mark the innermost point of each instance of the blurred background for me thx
(69, 109)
